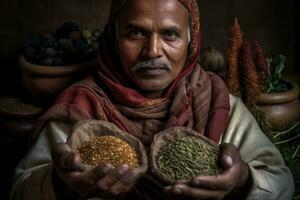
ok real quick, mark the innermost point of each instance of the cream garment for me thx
(271, 178)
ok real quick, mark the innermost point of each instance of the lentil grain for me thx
(111, 149)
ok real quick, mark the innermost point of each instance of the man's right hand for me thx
(101, 180)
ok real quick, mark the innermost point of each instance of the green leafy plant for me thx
(275, 81)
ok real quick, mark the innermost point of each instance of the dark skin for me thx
(153, 31)
(156, 31)
(100, 180)
(233, 181)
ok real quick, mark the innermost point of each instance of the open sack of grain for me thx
(100, 142)
(181, 153)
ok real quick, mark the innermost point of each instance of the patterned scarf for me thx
(195, 99)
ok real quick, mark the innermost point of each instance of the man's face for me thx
(153, 39)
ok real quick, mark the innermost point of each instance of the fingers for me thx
(214, 187)
(97, 173)
(229, 155)
(230, 160)
(119, 180)
(85, 183)
(220, 182)
(125, 184)
(101, 170)
(113, 176)
(70, 169)
(65, 159)
(185, 190)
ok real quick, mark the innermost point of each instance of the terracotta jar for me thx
(17, 118)
(45, 82)
(282, 110)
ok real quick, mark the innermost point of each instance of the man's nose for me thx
(153, 47)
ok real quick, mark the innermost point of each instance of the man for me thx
(147, 81)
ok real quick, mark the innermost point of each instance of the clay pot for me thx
(17, 118)
(282, 110)
(45, 82)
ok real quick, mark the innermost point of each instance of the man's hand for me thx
(101, 180)
(231, 182)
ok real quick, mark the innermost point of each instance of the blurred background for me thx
(270, 22)
(273, 23)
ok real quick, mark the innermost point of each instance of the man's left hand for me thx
(232, 181)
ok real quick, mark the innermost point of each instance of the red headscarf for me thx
(195, 98)
(108, 57)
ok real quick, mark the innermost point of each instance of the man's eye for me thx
(170, 35)
(136, 34)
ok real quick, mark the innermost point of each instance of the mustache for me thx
(151, 64)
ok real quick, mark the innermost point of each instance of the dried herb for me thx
(249, 76)
(260, 64)
(235, 45)
(186, 157)
(108, 149)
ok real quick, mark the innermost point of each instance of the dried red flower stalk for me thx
(235, 44)
(250, 84)
(260, 64)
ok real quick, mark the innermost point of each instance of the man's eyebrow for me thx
(135, 26)
(171, 27)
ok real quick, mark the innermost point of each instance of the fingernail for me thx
(134, 173)
(105, 169)
(123, 169)
(176, 190)
(196, 182)
(81, 168)
(71, 157)
(168, 187)
(115, 192)
(229, 160)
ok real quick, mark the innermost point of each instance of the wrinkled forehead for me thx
(117, 5)
(190, 5)
(161, 12)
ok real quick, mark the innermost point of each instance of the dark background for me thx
(273, 23)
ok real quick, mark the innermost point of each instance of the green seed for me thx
(186, 157)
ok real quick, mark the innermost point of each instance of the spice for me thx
(108, 149)
(186, 157)
(260, 64)
(234, 48)
(250, 79)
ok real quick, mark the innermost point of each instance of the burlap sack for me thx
(161, 138)
(89, 129)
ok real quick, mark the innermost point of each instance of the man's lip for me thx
(152, 71)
